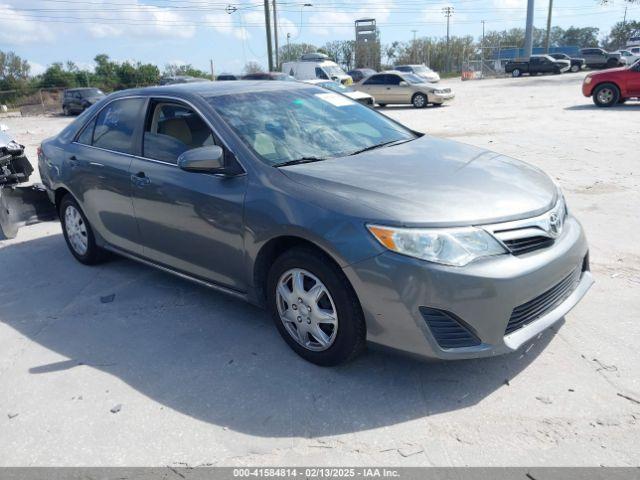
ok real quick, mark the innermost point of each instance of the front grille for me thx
(542, 304)
(519, 246)
(448, 330)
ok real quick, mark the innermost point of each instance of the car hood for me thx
(431, 182)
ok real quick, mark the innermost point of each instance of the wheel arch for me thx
(270, 251)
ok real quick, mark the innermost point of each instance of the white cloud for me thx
(140, 20)
(19, 29)
(224, 23)
(36, 68)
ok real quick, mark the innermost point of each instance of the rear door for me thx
(190, 222)
(633, 80)
(99, 159)
(374, 86)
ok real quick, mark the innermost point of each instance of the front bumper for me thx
(392, 288)
(441, 97)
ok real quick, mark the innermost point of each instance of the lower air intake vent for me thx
(447, 330)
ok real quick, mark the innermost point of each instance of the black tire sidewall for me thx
(350, 338)
(92, 255)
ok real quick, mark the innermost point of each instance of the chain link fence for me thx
(31, 101)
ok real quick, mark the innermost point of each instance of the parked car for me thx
(361, 97)
(268, 76)
(577, 64)
(227, 77)
(599, 58)
(420, 70)
(175, 79)
(77, 100)
(14, 166)
(347, 225)
(628, 56)
(316, 66)
(613, 86)
(404, 88)
(633, 42)
(359, 74)
(536, 65)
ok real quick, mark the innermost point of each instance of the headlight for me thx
(448, 246)
(587, 80)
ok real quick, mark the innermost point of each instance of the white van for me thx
(316, 66)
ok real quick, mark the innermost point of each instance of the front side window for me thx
(171, 129)
(288, 125)
(116, 124)
(392, 80)
(321, 74)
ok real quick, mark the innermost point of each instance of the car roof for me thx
(213, 89)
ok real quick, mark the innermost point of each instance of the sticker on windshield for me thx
(335, 99)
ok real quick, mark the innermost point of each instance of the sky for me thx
(197, 31)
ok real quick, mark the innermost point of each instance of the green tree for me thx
(14, 71)
(252, 67)
(171, 70)
(620, 34)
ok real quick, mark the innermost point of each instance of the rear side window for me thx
(171, 129)
(321, 74)
(374, 80)
(403, 69)
(116, 124)
(392, 80)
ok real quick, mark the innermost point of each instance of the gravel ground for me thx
(124, 365)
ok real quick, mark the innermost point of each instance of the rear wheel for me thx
(315, 308)
(78, 233)
(516, 72)
(419, 100)
(575, 68)
(66, 111)
(612, 63)
(606, 95)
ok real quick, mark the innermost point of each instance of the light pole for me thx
(547, 36)
(528, 33)
(267, 24)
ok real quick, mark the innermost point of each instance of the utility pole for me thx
(267, 24)
(213, 77)
(288, 46)
(275, 31)
(528, 33)
(448, 11)
(547, 36)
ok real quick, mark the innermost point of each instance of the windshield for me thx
(413, 78)
(93, 92)
(422, 69)
(287, 125)
(334, 70)
(336, 87)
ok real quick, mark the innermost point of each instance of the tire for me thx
(612, 63)
(341, 341)
(606, 95)
(575, 68)
(74, 222)
(65, 111)
(419, 100)
(516, 72)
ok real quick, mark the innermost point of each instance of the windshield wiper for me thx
(379, 145)
(299, 161)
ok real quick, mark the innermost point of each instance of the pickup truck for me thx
(577, 64)
(537, 64)
(599, 58)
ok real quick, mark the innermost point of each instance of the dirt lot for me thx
(200, 378)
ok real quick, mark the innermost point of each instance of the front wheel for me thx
(575, 68)
(516, 72)
(606, 95)
(78, 233)
(65, 111)
(419, 100)
(315, 308)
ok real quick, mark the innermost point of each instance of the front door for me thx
(100, 158)
(190, 222)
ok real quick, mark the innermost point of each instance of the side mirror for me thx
(403, 84)
(209, 159)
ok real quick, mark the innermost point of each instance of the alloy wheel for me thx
(306, 309)
(76, 230)
(605, 95)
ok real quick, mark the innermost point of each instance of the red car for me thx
(613, 86)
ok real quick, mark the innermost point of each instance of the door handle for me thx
(140, 179)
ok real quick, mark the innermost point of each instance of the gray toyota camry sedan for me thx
(346, 225)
